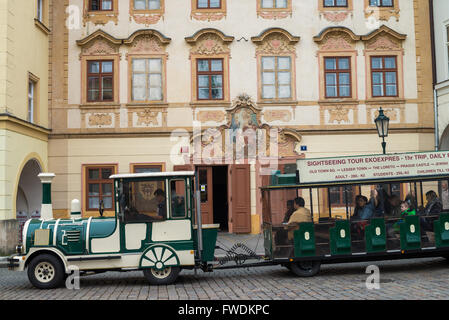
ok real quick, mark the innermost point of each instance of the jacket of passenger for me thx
(300, 215)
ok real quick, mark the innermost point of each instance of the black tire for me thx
(165, 276)
(46, 271)
(305, 268)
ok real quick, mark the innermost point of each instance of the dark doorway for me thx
(220, 195)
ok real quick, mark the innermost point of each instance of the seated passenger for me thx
(161, 206)
(434, 205)
(392, 207)
(301, 214)
(290, 210)
(405, 211)
(364, 210)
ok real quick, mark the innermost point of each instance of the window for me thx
(335, 3)
(40, 12)
(276, 77)
(147, 4)
(31, 100)
(208, 4)
(100, 5)
(338, 196)
(210, 79)
(100, 79)
(143, 201)
(147, 79)
(338, 77)
(99, 187)
(145, 168)
(178, 198)
(272, 4)
(384, 77)
(381, 3)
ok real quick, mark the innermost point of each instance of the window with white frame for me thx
(31, 100)
(40, 10)
(271, 4)
(276, 77)
(147, 4)
(147, 79)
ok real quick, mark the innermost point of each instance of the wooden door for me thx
(206, 194)
(239, 198)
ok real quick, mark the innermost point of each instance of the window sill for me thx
(277, 102)
(210, 103)
(41, 26)
(328, 101)
(147, 104)
(385, 100)
(100, 105)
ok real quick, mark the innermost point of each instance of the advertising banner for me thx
(373, 167)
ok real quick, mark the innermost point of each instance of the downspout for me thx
(434, 75)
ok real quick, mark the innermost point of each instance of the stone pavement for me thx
(406, 279)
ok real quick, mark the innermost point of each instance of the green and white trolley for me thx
(163, 234)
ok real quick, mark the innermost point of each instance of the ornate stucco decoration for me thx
(100, 119)
(209, 42)
(274, 13)
(384, 39)
(339, 114)
(336, 39)
(146, 17)
(99, 43)
(335, 14)
(209, 14)
(147, 42)
(275, 41)
(100, 17)
(147, 117)
(210, 115)
(243, 119)
(382, 13)
(277, 115)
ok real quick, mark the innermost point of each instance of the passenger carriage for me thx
(157, 223)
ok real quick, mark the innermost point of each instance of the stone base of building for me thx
(9, 230)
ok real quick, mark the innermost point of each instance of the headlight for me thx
(19, 249)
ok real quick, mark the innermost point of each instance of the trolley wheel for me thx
(46, 271)
(164, 276)
(305, 268)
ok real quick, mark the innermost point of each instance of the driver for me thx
(161, 204)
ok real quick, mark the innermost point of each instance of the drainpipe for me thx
(46, 207)
(434, 76)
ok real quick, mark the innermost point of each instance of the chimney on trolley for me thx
(75, 209)
(46, 207)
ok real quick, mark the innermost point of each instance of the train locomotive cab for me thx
(152, 230)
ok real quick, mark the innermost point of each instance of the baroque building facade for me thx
(153, 85)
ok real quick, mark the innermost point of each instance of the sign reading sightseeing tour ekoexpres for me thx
(373, 167)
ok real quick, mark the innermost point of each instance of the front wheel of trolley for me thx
(305, 268)
(46, 272)
(167, 275)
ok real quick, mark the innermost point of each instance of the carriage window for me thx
(178, 198)
(143, 201)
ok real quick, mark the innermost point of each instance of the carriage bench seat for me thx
(410, 233)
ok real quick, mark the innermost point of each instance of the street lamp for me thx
(382, 124)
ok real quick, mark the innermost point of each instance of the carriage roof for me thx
(152, 175)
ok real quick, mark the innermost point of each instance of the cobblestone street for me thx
(406, 279)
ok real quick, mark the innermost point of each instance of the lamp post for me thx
(382, 125)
